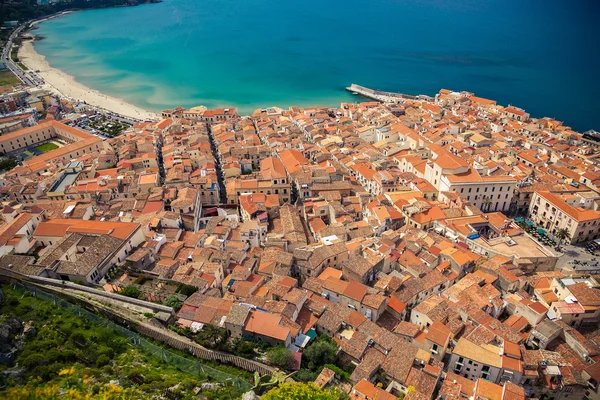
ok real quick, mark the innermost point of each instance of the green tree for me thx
(243, 348)
(6, 164)
(303, 391)
(211, 336)
(320, 353)
(487, 202)
(102, 360)
(173, 301)
(561, 234)
(187, 290)
(131, 291)
(306, 375)
(280, 357)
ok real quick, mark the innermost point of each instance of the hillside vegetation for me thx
(57, 355)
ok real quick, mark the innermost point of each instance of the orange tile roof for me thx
(396, 304)
(449, 161)
(292, 160)
(512, 364)
(482, 101)
(9, 230)
(512, 349)
(438, 333)
(330, 272)
(370, 391)
(266, 324)
(579, 214)
(355, 291)
(147, 179)
(488, 390)
(335, 285)
(60, 227)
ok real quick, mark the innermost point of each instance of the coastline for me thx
(49, 18)
(65, 85)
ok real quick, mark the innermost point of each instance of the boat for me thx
(354, 92)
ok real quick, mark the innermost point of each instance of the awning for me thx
(311, 334)
(519, 220)
(529, 223)
(541, 231)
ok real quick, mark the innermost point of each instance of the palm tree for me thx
(487, 202)
(561, 234)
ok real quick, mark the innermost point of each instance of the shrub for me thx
(187, 290)
(174, 302)
(320, 353)
(131, 291)
(343, 375)
(102, 360)
(280, 356)
(33, 360)
(78, 338)
(243, 348)
(107, 351)
(303, 391)
(305, 375)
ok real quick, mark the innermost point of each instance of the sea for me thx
(540, 55)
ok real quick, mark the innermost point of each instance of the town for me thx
(443, 247)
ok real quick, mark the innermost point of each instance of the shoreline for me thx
(49, 17)
(65, 85)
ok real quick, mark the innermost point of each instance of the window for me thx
(469, 190)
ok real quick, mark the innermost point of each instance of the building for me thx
(578, 301)
(555, 212)
(57, 236)
(449, 173)
(78, 142)
(474, 361)
(266, 327)
(16, 237)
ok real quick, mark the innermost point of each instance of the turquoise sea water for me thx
(543, 56)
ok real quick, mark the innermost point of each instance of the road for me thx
(10, 64)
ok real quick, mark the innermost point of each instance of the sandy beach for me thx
(65, 85)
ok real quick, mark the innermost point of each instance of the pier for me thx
(385, 97)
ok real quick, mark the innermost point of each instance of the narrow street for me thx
(220, 181)
(159, 159)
